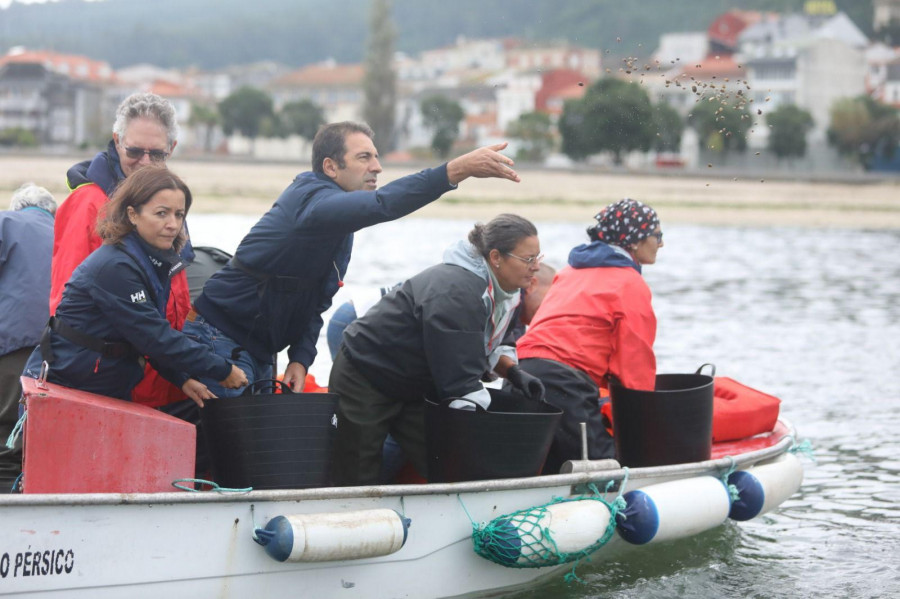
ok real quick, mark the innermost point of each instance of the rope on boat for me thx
(212, 486)
(16, 488)
(256, 528)
(16, 432)
(468, 515)
(733, 493)
(804, 447)
(523, 539)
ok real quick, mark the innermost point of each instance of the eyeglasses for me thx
(529, 261)
(138, 153)
(658, 236)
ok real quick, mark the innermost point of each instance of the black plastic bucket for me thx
(671, 425)
(509, 440)
(271, 441)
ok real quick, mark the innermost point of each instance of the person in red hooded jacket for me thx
(144, 132)
(596, 322)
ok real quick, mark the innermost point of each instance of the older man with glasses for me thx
(144, 132)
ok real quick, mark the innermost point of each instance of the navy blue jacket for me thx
(119, 294)
(26, 246)
(103, 170)
(305, 238)
(600, 254)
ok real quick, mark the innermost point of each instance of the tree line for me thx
(614, 116)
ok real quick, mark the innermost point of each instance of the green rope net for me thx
(524, 539)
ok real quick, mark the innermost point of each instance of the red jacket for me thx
(598, 320)
(74, 238)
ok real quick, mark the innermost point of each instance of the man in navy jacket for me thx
(283, 276)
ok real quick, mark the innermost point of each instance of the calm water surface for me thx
(811, 316)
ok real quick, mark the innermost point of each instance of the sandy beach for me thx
(709, 198)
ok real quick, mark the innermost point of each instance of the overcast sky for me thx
(6, 3)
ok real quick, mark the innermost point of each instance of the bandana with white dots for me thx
(625, 223)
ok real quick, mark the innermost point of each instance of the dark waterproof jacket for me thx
(119, 294)
(295, 257)
(26, 243)
(433, 336)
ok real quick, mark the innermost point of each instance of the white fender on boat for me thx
(565, 527)
(673, 510)
(763, 488)
(333, 536)
(575, 525)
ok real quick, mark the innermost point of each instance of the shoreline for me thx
(717, 199)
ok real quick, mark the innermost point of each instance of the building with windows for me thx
(337, 88)
(58, 98)
(807, 60)
(890, 90)
(546, 57)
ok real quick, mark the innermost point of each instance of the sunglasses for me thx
(658, 236)
(138, 153)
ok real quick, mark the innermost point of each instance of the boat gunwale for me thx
(575, 479)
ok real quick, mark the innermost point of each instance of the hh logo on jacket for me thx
(139, 297)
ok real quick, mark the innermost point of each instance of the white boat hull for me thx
(183, 544)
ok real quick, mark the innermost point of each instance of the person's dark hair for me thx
(329, 142)
(503, 233)
(135, 191)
